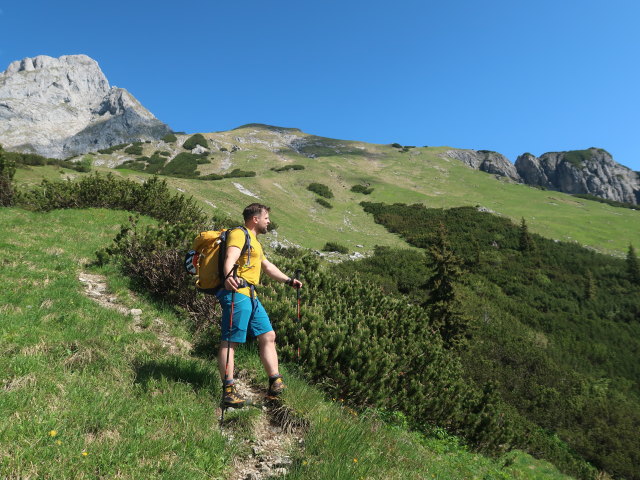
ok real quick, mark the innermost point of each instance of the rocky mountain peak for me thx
(486, 161)
(592, 171)
(64, 106)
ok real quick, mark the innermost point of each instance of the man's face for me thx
(262, 222)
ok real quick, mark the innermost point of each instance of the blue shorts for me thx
(249, 316)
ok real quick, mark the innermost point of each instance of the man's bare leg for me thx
(268, 354)
(222, 359)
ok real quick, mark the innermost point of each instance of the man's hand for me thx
(231, 283)
(294, 282)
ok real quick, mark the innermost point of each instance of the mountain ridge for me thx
(63, 107)
(60, 107)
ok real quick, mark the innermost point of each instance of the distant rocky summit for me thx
(592, 171)
(60, 107)
(486, 161)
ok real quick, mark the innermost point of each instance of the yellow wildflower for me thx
(58, 442)
(84, 454)
(355, 460)
(53, 433)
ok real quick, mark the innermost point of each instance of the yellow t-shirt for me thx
(251, 272)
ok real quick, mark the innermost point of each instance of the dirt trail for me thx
(273, 438)
(274, 434)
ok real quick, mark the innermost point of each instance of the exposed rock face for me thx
(58, 107)
(591, 171)
(486, 161)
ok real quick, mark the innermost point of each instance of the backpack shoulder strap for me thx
(247, 245)
(223, 248)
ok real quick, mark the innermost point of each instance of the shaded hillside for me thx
(555, 327)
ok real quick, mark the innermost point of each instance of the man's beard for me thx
(263, 230)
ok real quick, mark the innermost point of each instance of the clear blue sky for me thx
(510, 76)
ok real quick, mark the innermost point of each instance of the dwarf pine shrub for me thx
(335, 247)
(238, 173)
(286, 168)
(184, 164)
(112, 149)
(152, 198)
(320, 189)
(195, 140)
(169, 138)
(134, 149)
(361, 189)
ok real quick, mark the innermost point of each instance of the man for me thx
(249, 316)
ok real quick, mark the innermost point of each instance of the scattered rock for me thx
(199, 150)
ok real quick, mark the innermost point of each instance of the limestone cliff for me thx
(59, 107)
(592, 171)
(486, 161)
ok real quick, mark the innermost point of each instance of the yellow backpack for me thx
(207, 255)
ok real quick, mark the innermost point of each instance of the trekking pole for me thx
(297, 277)
(226, 367)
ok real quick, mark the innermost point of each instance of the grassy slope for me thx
(419, 176)
(86, 396)
(82, 395)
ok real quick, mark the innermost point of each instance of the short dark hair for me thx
(253, 210)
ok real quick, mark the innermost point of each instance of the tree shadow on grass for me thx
(182, 370)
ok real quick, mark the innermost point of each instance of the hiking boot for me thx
(230, 398)
(276, 386)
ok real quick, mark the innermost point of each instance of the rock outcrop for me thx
(59, 107)
(486, 161)
(592, 171)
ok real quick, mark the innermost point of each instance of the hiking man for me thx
(249, 316)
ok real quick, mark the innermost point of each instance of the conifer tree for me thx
(7, 171)
(589, 286)
(633, 267)
(444, 303)
(526, 242)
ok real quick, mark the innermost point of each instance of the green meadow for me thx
(88, 392)
(420, 175)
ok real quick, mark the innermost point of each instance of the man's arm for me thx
(275, 273)
(233, 254)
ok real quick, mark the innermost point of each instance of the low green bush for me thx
(320, 189)
(152, 198)
(134, 150)
(288, 167)
(195, 140)
(335, 247)
(361, 189)
(184, 164)
(112, 149)
(169, 138)
(237, 173)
